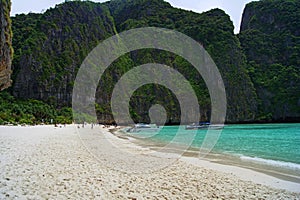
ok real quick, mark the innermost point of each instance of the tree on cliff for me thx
(6, 50)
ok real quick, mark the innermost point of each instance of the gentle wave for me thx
(275, 163)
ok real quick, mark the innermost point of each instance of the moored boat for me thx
(143, 127)
(203, 125)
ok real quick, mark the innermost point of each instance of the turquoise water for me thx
(273, 144)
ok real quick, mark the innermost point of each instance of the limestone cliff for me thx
(6, 50)
(50, 48)
(270, 38)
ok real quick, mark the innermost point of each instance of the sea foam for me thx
(269, 162)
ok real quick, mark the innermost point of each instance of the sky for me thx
(234, 8)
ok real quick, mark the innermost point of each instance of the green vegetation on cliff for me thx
(263, 85)
(6, 50)
(50, 48)
(214, 30)
(270, 37)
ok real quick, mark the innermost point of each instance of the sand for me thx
(44, 162)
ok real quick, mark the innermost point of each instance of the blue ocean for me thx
(267, 144)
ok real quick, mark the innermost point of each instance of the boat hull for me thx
(204, 127)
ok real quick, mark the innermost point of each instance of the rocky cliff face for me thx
(270, 38)
(260, 66)
(5, 44)
(214, 30)
(51, 46)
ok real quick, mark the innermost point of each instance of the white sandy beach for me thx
(44, 162)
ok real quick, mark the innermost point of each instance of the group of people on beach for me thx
(85, 124)
(93, 125)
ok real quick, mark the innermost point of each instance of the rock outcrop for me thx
(6, 50)
(260, 66)
(50, 48)
(270, 38)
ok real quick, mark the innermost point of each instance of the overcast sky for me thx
(232, 7)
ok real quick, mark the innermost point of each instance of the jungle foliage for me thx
(260, 66)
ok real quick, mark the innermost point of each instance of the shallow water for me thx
(275, 146)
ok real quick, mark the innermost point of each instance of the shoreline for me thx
(47, 162)
(231, 164)
(247, 174)
(281, 173)
(297, 121)
(190, 153)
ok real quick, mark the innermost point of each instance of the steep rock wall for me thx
(6, 50)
